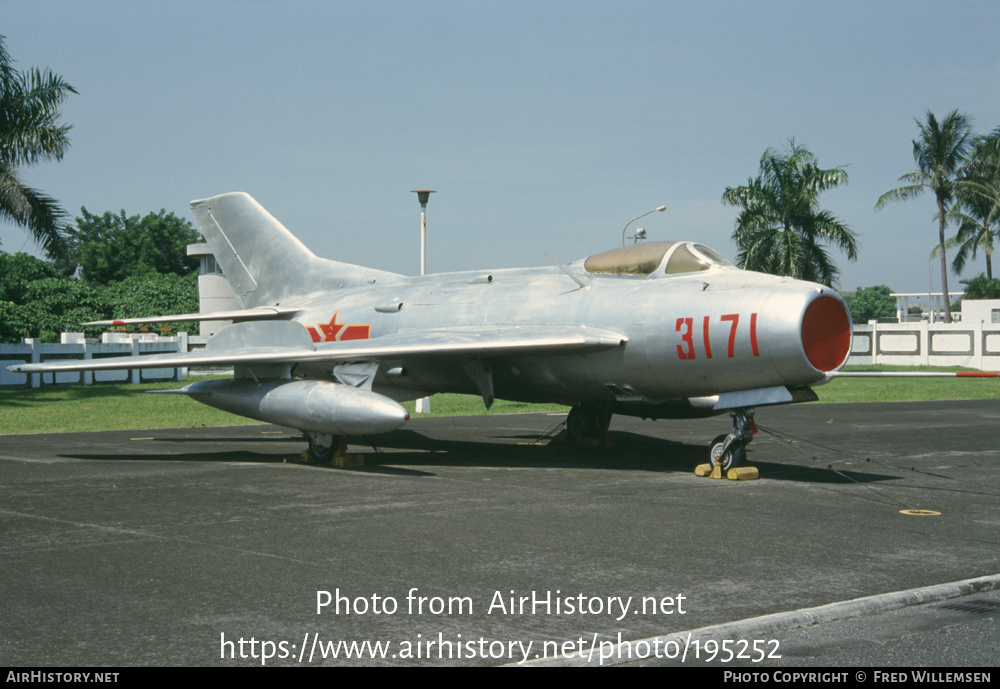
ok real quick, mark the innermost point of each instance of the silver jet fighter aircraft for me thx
(656, 330)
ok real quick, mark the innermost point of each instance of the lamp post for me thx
(660, 209)
(422, 196)
(423, 405)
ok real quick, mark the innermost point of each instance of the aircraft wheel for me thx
(734, 457)
(581, 424)
(322, 446)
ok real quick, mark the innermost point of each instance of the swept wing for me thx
(287, 342)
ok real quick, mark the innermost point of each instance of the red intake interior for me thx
(826, 333)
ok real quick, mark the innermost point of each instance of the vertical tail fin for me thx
(264, 262)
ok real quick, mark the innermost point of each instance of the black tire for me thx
(734, 457)
(580, 424)
(322, 446)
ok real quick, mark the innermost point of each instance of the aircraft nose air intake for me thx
(826, 333)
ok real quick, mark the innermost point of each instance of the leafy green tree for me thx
(154, 294)
(982, 287)
(781, 228)
(52, 304)
(60, 304)
(13, 321)
(30, 132)
(940, 154)
(114, 247)
(871, 303)
(131, 266)
(977, 210)
(17, 271)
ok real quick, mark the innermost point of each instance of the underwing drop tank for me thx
(315, 406)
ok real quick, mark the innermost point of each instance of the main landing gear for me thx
(325, 448)
(730, 451)
(587, 425)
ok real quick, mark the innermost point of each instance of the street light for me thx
(423, 405)
(423, 195)
(660, 209)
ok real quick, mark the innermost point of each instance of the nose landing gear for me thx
(730, 451)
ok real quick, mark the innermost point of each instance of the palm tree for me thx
(780, 227)
(940, 153)
(977, 210)
(30, 133)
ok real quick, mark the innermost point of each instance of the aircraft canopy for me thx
(645, 259)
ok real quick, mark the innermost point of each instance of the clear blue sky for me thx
(542, 125)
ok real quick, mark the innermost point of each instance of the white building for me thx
(214, 291)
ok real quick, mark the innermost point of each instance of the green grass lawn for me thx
(118, 406)
(105, 406)
(72, 408)
(907, 389)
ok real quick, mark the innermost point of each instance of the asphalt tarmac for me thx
(483, 541)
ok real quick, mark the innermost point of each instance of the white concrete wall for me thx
(33, 351)
(970, 343)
